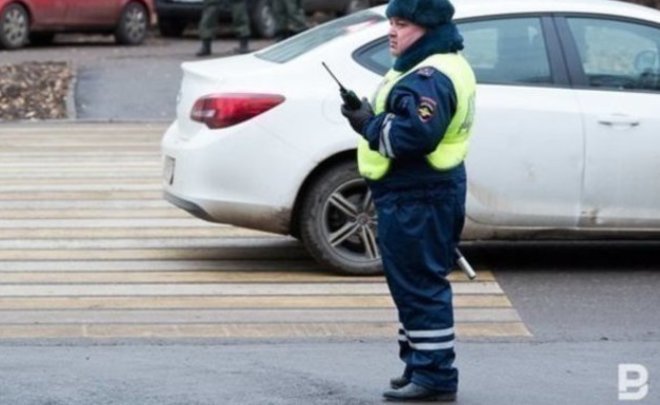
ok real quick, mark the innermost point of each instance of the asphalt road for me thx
(586, 307)
(580, 291)
(311, 373)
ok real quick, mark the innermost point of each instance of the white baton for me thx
(465, 265)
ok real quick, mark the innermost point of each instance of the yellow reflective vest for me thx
(452, 149)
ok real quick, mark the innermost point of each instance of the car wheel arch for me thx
(144, 3)
(23, 4)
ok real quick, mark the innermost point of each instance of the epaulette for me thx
(426, 71)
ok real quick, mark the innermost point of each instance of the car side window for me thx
(507, 51)
(375, 56)
(616, 54)
(284, 51)
(502, 51)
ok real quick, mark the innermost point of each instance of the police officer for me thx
(209, 22)
(411, 153)
(289, 17)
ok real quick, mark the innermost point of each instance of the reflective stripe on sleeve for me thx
(384, 144)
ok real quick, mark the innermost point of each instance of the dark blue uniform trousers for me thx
(418, 229)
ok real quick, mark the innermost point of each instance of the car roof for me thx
(478, 8)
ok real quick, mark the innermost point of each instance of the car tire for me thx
(263, 19)
(338, 222)
(171, 27)
(14, 27)
(133, 24)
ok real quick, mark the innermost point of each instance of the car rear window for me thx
(308, 40)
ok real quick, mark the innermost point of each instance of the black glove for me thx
(359, 117)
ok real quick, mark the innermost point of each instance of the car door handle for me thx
(618, 120)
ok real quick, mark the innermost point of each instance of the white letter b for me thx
(633, 382)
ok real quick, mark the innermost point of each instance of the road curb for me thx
(71, 112)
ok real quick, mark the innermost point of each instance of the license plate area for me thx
(168, 170)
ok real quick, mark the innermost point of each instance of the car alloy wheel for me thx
(350, 219)
(14, 27)
(338, 222)
(133, 25)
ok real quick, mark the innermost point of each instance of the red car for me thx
(37, 21)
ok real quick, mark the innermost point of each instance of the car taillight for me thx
(227, 109)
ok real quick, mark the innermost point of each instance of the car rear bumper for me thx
(242, 176)
(188, 206)
(260, 217)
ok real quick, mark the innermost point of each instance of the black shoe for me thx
(243, 47)
(416, 393)
(205, 49)
(399, 382)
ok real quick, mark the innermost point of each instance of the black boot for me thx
(205, 49)
(399, 382)
(242, 46)
(416, 393)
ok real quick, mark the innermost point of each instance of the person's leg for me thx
(416, 243)
(241, 25)
(279, 12)
(207, 26)
(296, 13)
(404, 352)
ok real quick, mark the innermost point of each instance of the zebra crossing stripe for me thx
(90, 250)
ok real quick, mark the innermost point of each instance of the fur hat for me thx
(427, 13)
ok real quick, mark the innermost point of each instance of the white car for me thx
(566, 142)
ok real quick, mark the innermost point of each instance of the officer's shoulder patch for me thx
(425, 71)
(426, 109)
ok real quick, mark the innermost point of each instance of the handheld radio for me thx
(350, 99)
